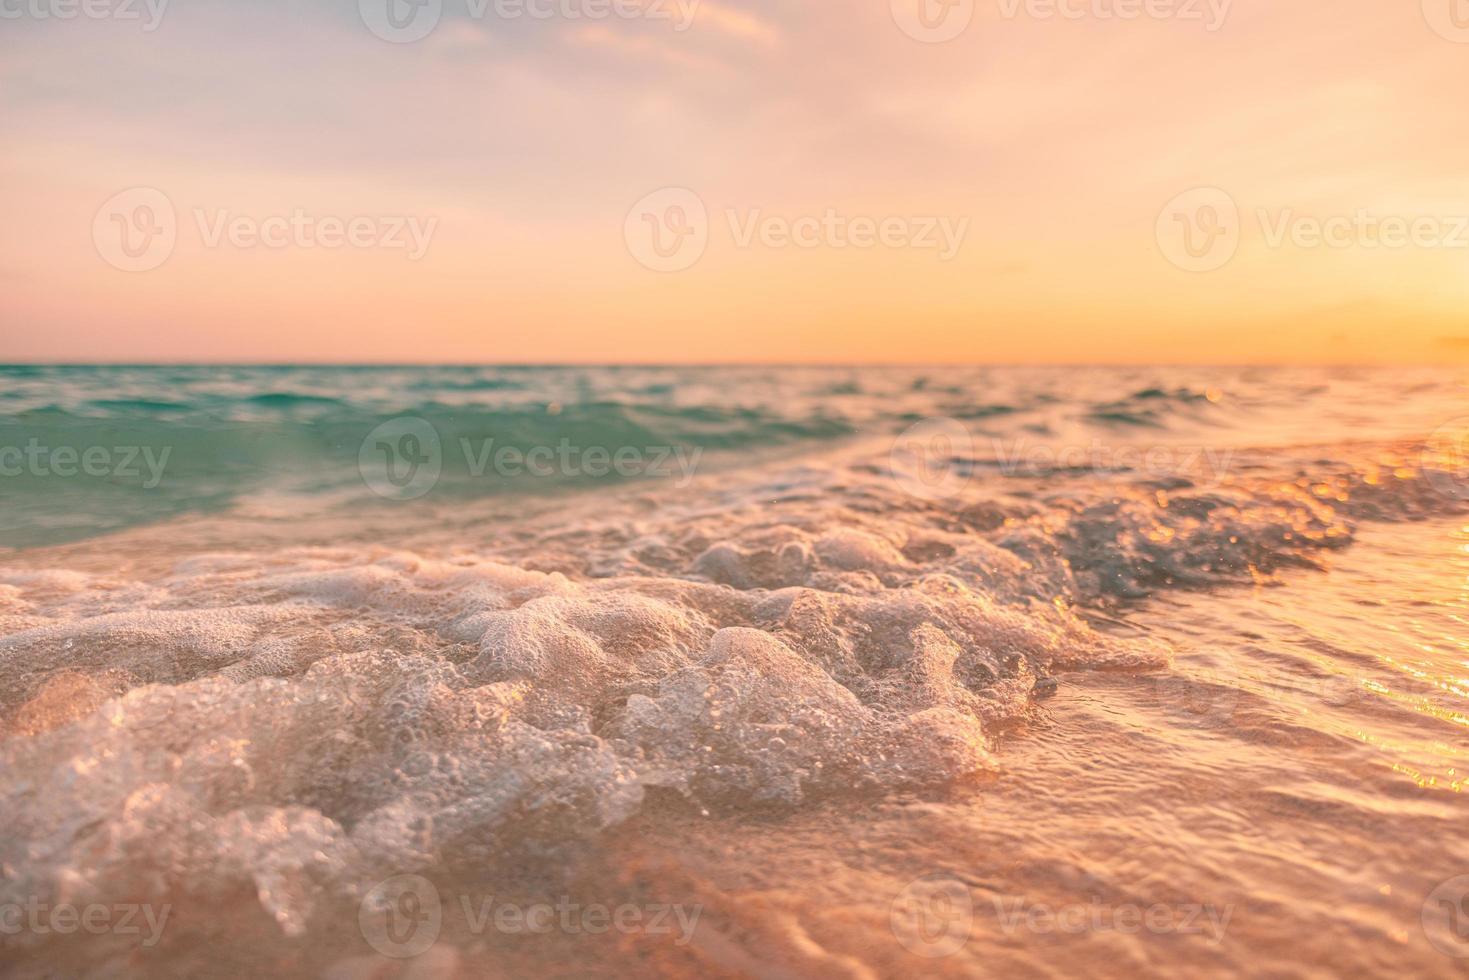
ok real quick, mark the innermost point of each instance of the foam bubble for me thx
(294, 724)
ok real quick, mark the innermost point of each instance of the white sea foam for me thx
(298, 722)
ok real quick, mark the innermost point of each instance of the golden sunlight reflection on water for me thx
(1297, 775)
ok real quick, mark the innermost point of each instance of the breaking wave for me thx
(295, 722)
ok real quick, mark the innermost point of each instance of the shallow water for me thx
(1047, 671)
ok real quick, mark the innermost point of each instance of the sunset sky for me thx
(1056, 144)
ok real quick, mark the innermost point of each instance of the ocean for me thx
(749, 671)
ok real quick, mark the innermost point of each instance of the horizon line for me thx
(728, 364)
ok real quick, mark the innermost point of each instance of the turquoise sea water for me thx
(168, 441)
(874, 672)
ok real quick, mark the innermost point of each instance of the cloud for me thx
(736, 23)
(673, 51)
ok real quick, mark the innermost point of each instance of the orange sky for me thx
(1056, 142)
